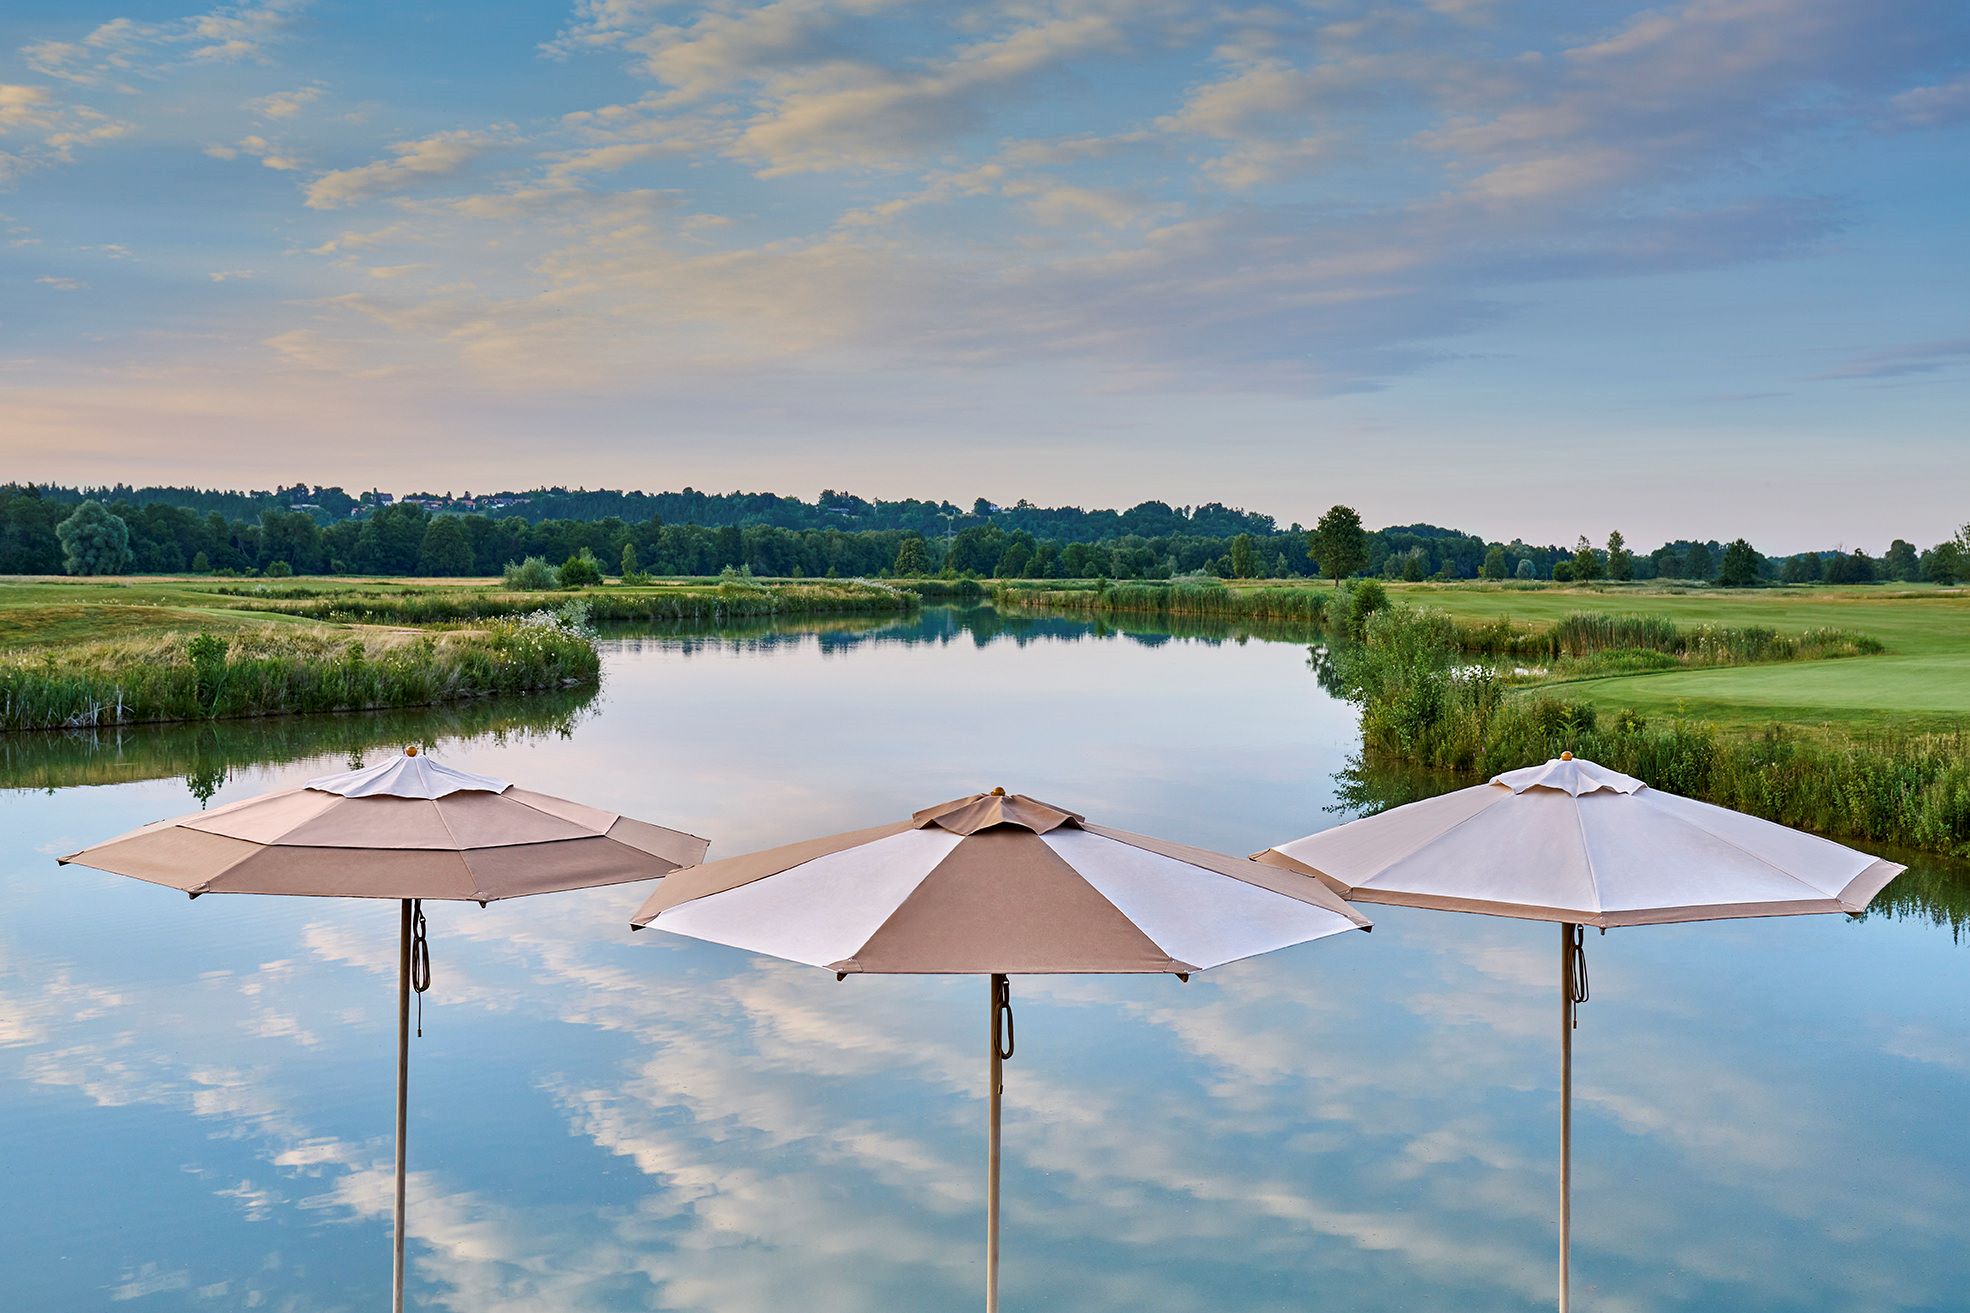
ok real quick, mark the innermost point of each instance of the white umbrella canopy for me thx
(1574, 842)
(1571, 841)
(408, 829)
(996, 885)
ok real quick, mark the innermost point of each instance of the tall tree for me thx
(1620, 561)
(1244, 561)
(1698, 564)
(94, 541)
(1586, 561)
(1945, 563)
(1496, 566)
(1740, 567)
(1901, 562)
(910, 560)
(1338, 546)
(447, 549)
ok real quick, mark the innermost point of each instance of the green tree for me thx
(1740, 567)
(910, 560)
(632, 566)
(580, 570)
(447, 549)
(1620, 561)
(1855, 567)
(94, 541)
(1526, 570)
(1338, 546)
(1945, 563)
(1901, 562)
(1496, 566)
(1698, 565)
(1804, 568)
(1586, 561)
(390, 539)
(1244, 561)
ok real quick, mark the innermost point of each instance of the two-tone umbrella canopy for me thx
(1577, 843)
(997, 885)
(408, 829)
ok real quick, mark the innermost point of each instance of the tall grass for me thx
(1181, 597)
(733, 598)
(205, 753)
(1588, 635)
(1421, 703)
(279, 670)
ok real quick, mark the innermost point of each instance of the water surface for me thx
(195, 1097)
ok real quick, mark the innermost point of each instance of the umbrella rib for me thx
(1447, 831)
(1587, 852)
(1756, 857)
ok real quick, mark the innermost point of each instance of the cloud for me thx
(410, 162)
(122, 49)
(285, 104)
(1905, 361)
(23, 107)
(862, 118)
(60, 283)
(1935, 106)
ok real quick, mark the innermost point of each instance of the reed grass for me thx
(1421, 702)
(1589, 635)
(732, 598)
(287, 669)
(1180, 597)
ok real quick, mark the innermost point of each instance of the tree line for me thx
(55, 532)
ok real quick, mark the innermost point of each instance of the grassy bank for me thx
(1918, 681)
(275, 669)
(56, 611)
(671, 602)
(1202, 599)
(206, 753)
(1422, 702)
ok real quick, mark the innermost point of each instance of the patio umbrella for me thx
(996, 885)
(1582, 845)
(409, 829)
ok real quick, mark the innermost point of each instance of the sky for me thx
(1528, 269)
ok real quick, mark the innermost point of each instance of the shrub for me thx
(532, 574)
(581, 570)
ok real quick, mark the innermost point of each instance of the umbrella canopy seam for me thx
(1728, 842)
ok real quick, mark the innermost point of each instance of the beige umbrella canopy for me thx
(408, 829)
(996, 885)
(1576, 843)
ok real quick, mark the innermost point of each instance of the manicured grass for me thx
(1921, 682)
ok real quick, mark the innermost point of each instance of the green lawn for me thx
(1921, 682)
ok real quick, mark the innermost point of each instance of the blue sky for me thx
(1531, 268)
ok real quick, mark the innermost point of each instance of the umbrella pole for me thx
(1567, 1003)
(996, 1087)
(403, 1085)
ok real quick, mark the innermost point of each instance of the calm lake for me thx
(196, 1097)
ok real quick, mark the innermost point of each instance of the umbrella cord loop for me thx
(1577, 991)
(420, 959)
(1002, 1032)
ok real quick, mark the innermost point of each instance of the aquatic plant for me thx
(1420, 703)
(285, 669)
